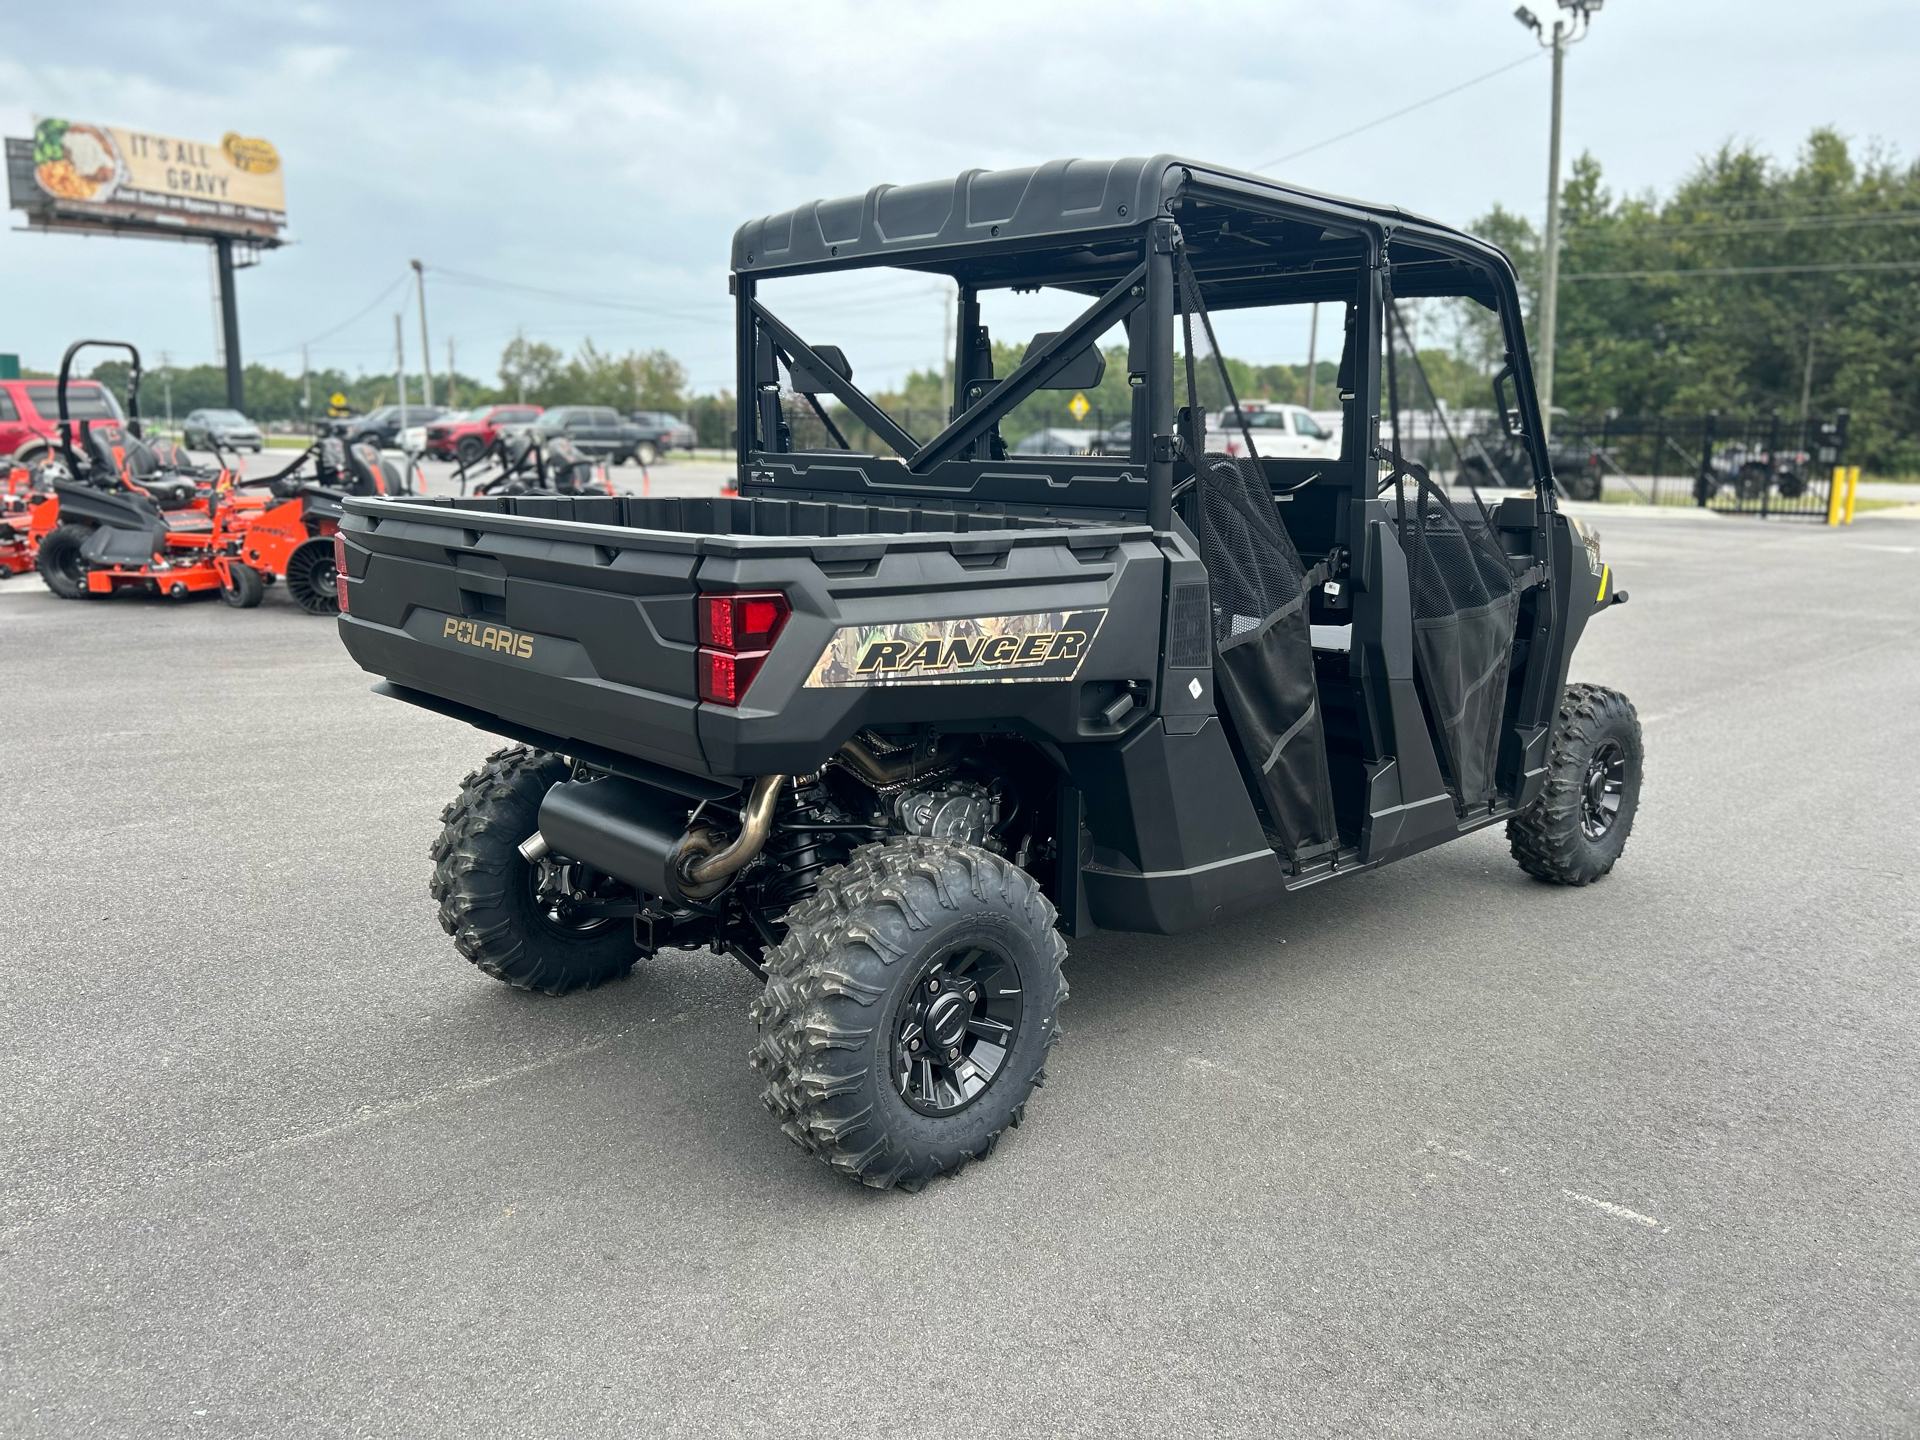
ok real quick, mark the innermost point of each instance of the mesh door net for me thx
(1465, 602)
(1263, 649)
(1464, 608)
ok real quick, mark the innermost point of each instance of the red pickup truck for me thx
(30, 414)
(466, 435)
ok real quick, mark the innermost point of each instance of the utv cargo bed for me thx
(574, 617)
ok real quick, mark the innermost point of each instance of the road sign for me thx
(1079, 407)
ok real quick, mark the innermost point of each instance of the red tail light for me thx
(737, 630)
(340, 568)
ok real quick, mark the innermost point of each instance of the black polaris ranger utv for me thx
(904, 713)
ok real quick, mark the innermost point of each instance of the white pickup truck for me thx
(1279, 430)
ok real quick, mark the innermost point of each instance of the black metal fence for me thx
(1750, 465)
(1741, 464)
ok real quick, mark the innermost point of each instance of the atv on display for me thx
(889, 727)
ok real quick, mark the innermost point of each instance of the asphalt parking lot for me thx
(1437, 1150)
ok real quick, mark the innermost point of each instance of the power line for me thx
(461, 277)
(1744, 270)
(1405, 110)
(1655, 227)
(357, 315)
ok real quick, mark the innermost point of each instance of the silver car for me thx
(221, 429)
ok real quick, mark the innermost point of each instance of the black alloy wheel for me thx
(1603, 789)
(956, 1028)
(566, 894)
(469, 450)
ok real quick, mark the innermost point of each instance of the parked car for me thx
(228, 429)
(661, 432)
(1055, 442)
(466, 435)
(595, 431)
(30, 414)
(1279, 430)
(381, 427)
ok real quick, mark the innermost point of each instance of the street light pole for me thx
(1550, 280)
(1565, 32)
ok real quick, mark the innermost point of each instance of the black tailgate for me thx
(578, 629)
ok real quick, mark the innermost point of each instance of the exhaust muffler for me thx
(639, 834)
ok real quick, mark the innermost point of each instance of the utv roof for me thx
(1072, 222)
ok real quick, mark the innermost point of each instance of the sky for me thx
(605, 153)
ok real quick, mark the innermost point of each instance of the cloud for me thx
(610, 149)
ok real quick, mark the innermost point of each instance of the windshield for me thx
(86, 400)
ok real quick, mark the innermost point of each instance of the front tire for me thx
(1580, 824)
(909, 1011)
(247, 589)
(493, 902)
(469, 450)
(62, 565)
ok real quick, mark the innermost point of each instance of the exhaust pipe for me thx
(639, 834)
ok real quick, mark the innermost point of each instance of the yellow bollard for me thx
(1853, 484)
(1836, 494)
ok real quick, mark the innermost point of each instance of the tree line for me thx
(1755, 286)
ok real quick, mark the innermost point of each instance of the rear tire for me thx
(1580, 824)
(247, 589)
(62, 566)
(312, 580)
(486, 888)
(646, 453)
(881, 955)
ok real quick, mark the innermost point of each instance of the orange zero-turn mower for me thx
(288, 532)
(124, 521)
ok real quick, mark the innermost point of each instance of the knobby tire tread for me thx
(1547, 840)
(826, 987)
(474, 864)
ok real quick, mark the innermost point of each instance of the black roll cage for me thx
(1249, 241)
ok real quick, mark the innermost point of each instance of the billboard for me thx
(78, 175)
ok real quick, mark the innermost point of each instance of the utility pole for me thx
(400, 370)
(451, 372)
(1313, 351)
(1806, 380)
(306, 387)
(1566, 31)
(426, 350)
(520, 365)
(166, 380)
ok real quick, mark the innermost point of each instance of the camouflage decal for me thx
(929, 652)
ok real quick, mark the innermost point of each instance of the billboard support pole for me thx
(230, 323)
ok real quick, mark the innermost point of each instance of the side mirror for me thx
(807, 381)
(1083, 372)
(1511, 420)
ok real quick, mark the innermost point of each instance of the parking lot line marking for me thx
(1891, 549)
(1612, 1209)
